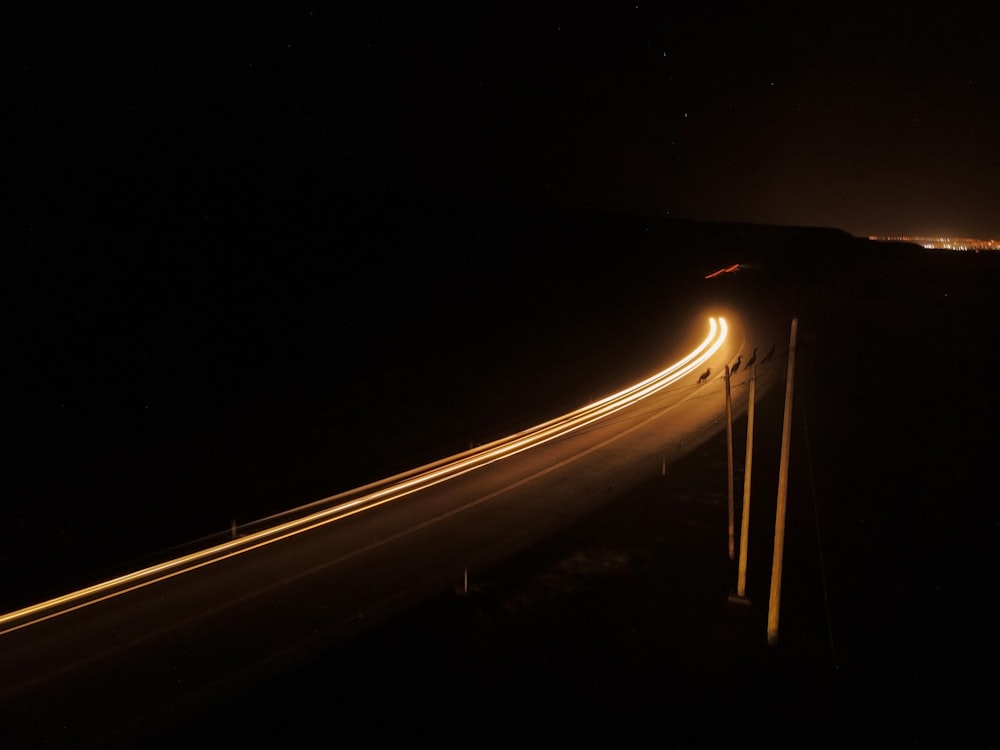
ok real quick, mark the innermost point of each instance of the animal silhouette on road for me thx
(704, 376)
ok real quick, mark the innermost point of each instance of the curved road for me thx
(128, 653)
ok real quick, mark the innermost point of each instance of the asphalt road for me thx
(111, 665)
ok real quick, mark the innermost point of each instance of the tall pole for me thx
(729, 454)
(741, 581)
(779, 514)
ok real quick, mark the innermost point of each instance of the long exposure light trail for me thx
(407, 484)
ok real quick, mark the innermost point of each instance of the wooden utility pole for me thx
(729, 453)
(741, 580)
(779, 514)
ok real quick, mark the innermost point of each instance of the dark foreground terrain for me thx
(619, 628)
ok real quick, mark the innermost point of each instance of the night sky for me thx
(879, 120)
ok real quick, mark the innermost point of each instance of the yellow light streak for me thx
(415, 481)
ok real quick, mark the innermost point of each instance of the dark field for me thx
(619, 628)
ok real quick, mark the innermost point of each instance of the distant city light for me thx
(942, 243)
